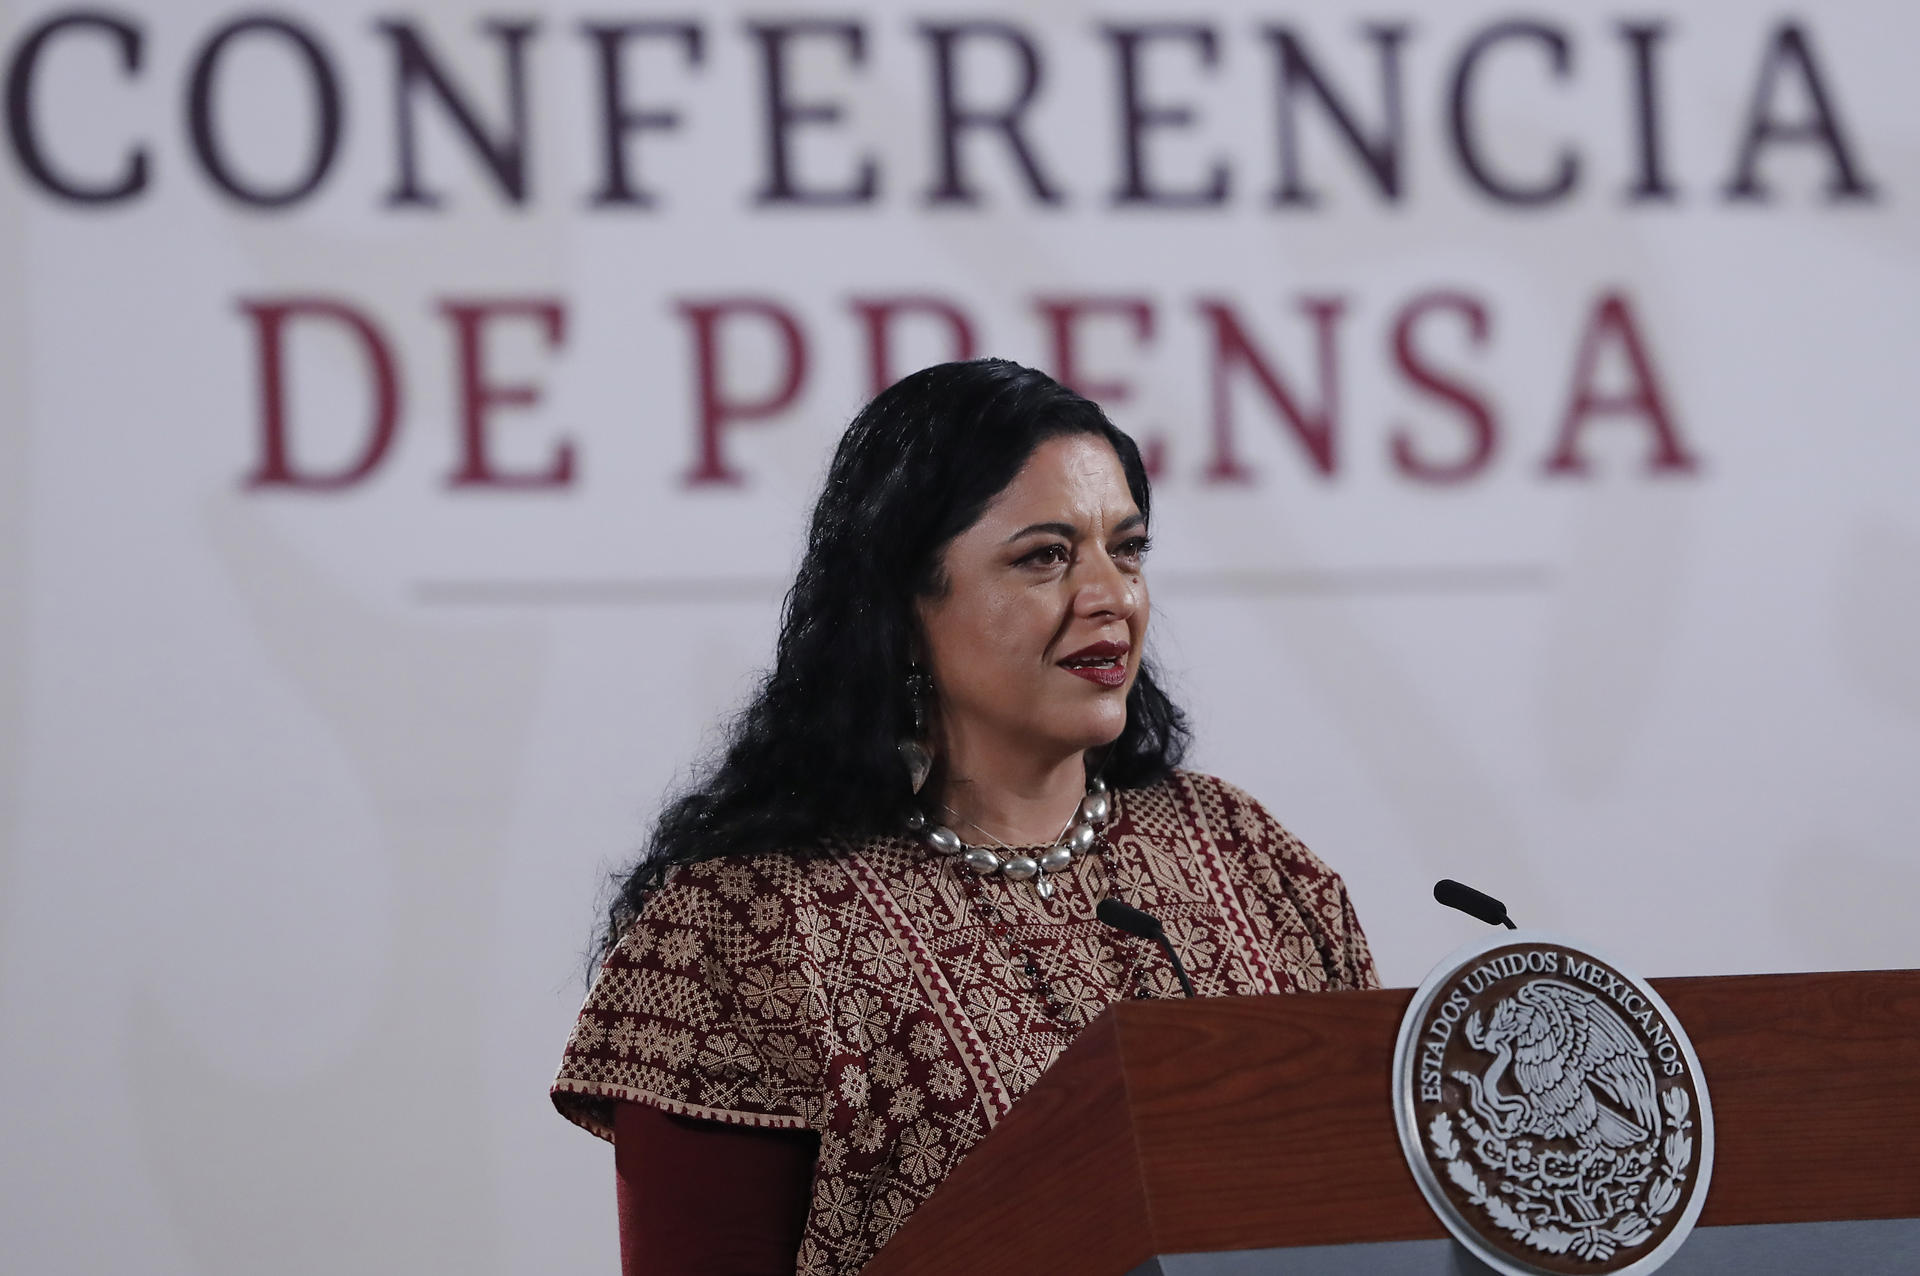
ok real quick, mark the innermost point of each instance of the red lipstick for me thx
(1103, 663)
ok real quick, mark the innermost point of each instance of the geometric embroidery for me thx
(862, 997)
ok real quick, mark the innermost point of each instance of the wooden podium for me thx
(1256, 1135)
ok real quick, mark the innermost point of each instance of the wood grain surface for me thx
(1246, 1123)
(1815, 1082)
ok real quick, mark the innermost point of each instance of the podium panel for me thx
(1257, 1135)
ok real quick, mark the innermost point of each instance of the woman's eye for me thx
(1048, 556)
(1132, 550)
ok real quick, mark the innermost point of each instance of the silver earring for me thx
(913, 750)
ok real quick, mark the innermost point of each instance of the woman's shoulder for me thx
(1209, 792)
(718, 890)
(1180, 781)
(745, 900)
(1281, 866)
(1228, 811)
(716, 923)
(1212, 787)
(707, 1005)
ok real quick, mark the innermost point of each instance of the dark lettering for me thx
(1379, 154)
(618, 120)
(953, 119)
(1138, 116)
(1466, 141)
(784, 115)
(1790, 51)
(325, 89)
(130, 43)
(504, 154)
(1650, 183)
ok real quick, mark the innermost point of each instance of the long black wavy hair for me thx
(813, 757)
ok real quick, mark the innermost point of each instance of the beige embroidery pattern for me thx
(861, 996)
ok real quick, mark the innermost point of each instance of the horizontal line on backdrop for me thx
(1482, 578)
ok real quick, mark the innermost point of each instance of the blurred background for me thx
(408, 416)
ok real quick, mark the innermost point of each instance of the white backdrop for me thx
(306, 792)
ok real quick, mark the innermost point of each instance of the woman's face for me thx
(1037, 639)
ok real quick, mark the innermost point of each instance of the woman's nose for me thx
(1106, 590)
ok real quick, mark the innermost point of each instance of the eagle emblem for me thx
(1580, 1072)
(1552, 1110)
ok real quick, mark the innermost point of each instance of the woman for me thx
(872, 927)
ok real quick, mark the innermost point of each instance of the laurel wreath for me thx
(1595, 1242)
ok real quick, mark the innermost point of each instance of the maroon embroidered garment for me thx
(880, 995)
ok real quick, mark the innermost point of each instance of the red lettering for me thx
(1641, 401)
(1316, 431)
(478, 396)
(1062, 316)
(270, 323)
(716, 410)
(1475, 415)
(878, 314)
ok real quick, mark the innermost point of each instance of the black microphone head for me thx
(1471, 902)
(1128, 918)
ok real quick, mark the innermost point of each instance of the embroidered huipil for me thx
(863, 994)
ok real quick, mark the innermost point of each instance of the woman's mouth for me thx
(1103, 663)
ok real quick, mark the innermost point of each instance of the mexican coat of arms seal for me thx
(1552, 1109)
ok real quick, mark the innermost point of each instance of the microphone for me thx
(1135, 922)
(1471, 902)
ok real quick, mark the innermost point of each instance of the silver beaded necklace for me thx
(1079, 836)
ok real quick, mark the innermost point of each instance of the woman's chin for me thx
(1096, 731)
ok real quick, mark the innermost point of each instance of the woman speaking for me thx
(871, 927)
